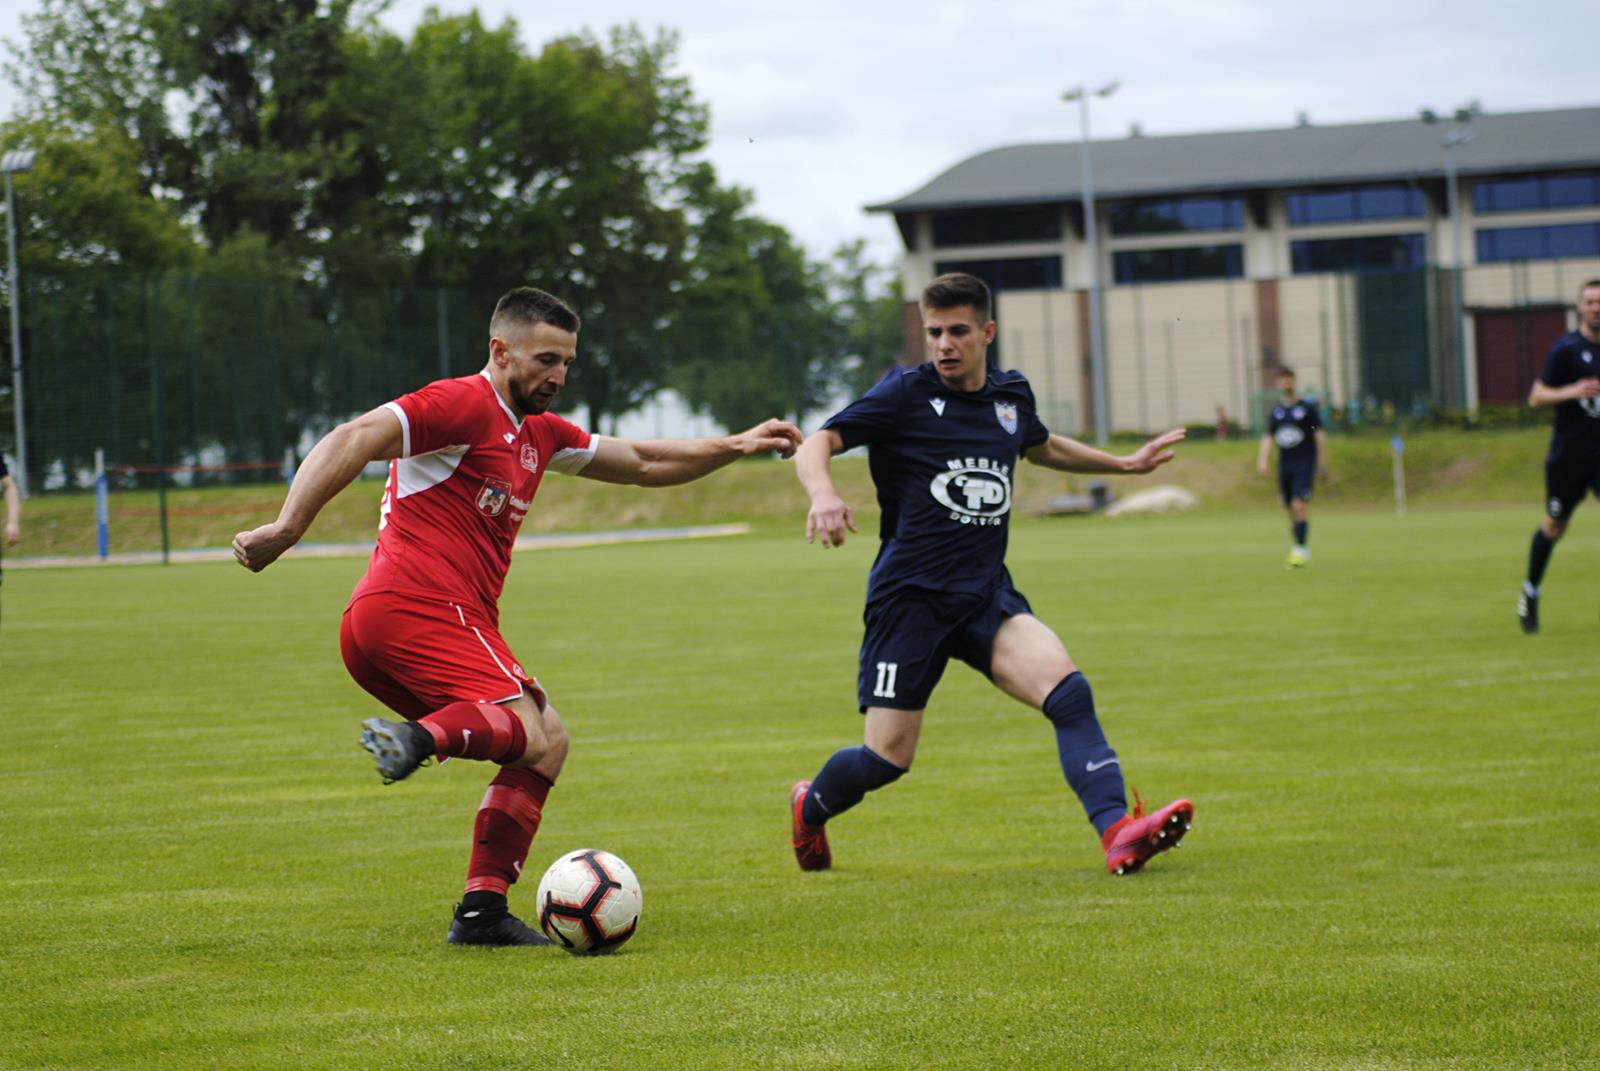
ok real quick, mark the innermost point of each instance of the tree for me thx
(866, 298)
(757, 336)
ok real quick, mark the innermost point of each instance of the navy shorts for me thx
(1294, 481)
(1566, 483)
(913, 634)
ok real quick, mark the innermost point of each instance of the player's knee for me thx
(1070, 702)
(1554, 529)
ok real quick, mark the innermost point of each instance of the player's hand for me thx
(1155, 453)
(260, 547)
(829, 517)
(1587, 388)
(13, 533)
(779, 435)
(1261, 468)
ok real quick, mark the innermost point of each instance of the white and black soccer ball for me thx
(589, 901)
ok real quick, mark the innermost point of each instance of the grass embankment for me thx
(1443, 468)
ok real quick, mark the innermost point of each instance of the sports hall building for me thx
(1224, 256)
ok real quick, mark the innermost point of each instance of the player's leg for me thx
(1565, 488)
(1300, 528)
(502, 834)
(1025, 657)
(1029, 663)
(902, 659)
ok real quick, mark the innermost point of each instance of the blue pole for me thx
(102, 509)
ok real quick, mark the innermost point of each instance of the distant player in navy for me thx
(1296, 427)
(942, 441)
(1570, 382)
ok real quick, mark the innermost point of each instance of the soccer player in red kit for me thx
(421, 631)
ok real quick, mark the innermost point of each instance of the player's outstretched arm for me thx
(1321, 438)
(328, 469)
(1542, 395)
(13, 511)
(828, 516)
(664, 462)
(1069, 455)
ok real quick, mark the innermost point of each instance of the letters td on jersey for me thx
(974, 490)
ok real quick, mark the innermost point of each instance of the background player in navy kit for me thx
(1570, 382)
(943, 439)
(1296, 427)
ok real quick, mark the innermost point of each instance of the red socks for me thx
(477, 731)
(503, 832)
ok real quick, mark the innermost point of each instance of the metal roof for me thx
(1306, 155)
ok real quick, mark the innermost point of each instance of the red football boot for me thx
(1131, 842)
(810, 842)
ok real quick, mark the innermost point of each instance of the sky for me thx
(820, 109)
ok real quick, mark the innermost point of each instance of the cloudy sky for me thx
(822, 108)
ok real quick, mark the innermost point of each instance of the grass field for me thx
(1393, 864)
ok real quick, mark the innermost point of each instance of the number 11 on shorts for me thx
(884, 689)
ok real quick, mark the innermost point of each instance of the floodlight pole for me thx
(1453, 139)
(16, 161)
(1091, 235)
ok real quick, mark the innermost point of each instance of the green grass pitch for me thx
(1393, 865)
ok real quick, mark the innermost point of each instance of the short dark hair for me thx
(954, 289)
(526, 306)
(1285, 370)
(1587, 286)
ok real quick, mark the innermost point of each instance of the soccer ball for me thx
(589, 902)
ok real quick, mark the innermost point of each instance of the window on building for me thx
(994, 226)
(1178, 264)
(1011, 273)
(1536, 192)
(1353, 204)
(1375, 252)
(1539, 243)
(1176, 214)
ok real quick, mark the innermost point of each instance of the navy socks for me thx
(1090, 764)
(847, 776)
(1539, 557)
(1300, 530)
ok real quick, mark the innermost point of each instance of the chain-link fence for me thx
(222, 377)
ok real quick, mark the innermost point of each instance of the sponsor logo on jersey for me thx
(493, 496)
(530, 457)
(1288, 436)
(974, 490)
(938, 405)
(1007, 415)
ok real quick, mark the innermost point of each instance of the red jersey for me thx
(466, 475)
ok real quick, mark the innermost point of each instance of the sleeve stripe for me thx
(405, 427)
(573, 459)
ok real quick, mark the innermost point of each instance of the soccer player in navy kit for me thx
(1296, 427)
(943, 441)
(1570, 381)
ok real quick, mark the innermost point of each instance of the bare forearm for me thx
(667, 462)
(812, 466)
(327, 470)
(1069, 455)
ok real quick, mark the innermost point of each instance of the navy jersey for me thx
(942, 461)
(1292, 427)
(1576, 436)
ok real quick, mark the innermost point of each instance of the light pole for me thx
(1453, 139)
(1097, 347)
(17, 160)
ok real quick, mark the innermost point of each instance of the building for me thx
(1224, 256)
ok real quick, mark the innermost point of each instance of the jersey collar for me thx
(504, 408)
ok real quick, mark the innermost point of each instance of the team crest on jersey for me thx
(1007, 415)
(492, 499)
(530, 457)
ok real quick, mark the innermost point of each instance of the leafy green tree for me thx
(759, 336)
(867, 301)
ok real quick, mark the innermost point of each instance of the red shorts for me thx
(417, 655)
